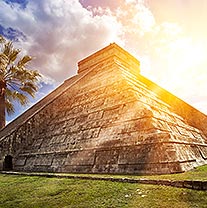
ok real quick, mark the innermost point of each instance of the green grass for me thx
(33, 191)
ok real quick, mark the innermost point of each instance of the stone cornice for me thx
(112, 50)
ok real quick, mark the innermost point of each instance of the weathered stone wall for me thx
(191, 115)
(106, 121)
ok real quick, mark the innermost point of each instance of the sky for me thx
(169, 37)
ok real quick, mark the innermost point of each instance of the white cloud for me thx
(62, 32)
(59, 33)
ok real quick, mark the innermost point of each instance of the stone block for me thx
(104, 157)
(179, 184)
(188, 184)
(203, 151)
(20, 161)
(58, 161)
(105, 168)
(76, 168)
(204, 185)
(95, 115)
(197, 185)
(80, 158)
(44, 160)
(175, 167)
(135, 154)
(90, 133)
(30, 161)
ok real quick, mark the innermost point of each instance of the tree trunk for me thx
(2, 112)
(2, 105)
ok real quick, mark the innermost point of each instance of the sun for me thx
(181, 64)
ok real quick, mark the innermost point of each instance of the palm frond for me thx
(7, 48)
(13, 55)
(3, 61)
(2, 39)
(24, 61)
(9, 107)
(31, 85)
(28, 90)
(21, 98)
(20, 81)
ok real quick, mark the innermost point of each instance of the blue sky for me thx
(21, 3)
(168, 37)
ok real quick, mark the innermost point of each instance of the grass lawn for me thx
(33, 191)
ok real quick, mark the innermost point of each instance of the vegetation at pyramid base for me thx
(33, 191)
(17, 82)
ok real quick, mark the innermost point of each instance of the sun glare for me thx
(183, 62)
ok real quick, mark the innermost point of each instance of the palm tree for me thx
(16, 81)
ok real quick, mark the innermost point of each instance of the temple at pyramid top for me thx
(112, 52)
(106, 119)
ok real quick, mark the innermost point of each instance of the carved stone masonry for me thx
(106, 119)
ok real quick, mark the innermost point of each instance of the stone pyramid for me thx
(106, 119)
